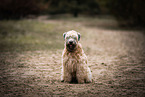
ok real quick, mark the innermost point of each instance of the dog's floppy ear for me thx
(64, 35)
(79, 36)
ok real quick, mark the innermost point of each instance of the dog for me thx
(74, 60)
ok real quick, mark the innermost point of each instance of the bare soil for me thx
(116, 59)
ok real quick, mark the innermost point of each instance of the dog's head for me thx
(71, 40)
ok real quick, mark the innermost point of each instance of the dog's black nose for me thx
(71, 42)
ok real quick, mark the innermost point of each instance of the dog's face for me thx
(71, 40)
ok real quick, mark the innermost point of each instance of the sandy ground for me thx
(116, 59)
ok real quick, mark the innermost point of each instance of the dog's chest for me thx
(71, 63)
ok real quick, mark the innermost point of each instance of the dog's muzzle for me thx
(71, 44)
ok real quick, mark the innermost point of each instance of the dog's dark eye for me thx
(74, 37)
(67, 37)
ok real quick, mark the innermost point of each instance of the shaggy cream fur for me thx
(74, 63)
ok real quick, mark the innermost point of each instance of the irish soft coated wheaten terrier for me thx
(74, 60)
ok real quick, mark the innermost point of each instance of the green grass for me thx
(29, 35)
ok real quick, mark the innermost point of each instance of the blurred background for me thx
(31, 45)
(127, 12)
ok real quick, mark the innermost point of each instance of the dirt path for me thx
(116, 58)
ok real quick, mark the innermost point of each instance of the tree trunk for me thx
(75, 13)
